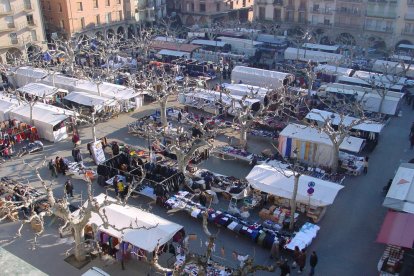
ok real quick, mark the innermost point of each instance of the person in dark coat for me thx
(69, 188)
(115, 148)
(284, 268)
(296, 254)
(62, 166)
(302, 261)
(313, 261)
(180, 116)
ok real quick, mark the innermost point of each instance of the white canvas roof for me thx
(260, 77)
(244, 89)
(361, 82)
(305, 133)
(322, 115)
(214, 96)
(169, 39)
(87, 99)
(61, 81)
(379, 77)
(330, 69)
(208, 42)
(7, 104)
(316, 56)
(160, 230)
(109, 90)
(173, 53)
(38, 89)
(44, 113)
(401, 193)
(320, 47)
(392, 67)
(24, 75)
(271, 180)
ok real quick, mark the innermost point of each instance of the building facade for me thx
(21, 29)
(366, 22)
(205, 12)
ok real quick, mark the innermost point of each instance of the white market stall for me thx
(275, 181)
(49, 120)
(307, 55)
(312, 146)
(61, 81)
(6, 105)
(392, 67)
(49, 93)
(89, 100)
(330, 73)
(159, 230)
(173, 53)
(239, 89)
(260, 77)
(26, 74)
(322, 116)
(400, 196)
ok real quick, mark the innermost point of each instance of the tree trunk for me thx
(293, 202)
(335, 158)
(243, 136)
(78, 234)
(163, 111)
(31, 105)
(93, 127)
(381, 102)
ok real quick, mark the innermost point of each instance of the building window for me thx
(13, 38)
(218, 6)
(49, 7)
(120, 15)
(108, 2)
(95, 4)
(108, 17)
(202, 7)
(192, 7)
(30, 20)
(98, 19)
(79, 6)
(83, 22)
(118, 2)
(62, 24)
(60, 7)
(34, 35)
(10, 22)
(277, 14)
(262, 13)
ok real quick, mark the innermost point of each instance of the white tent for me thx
(332, 70)
(272, 181)
(401, 193)
(45, 118)
(260, 77)
(60, 81)
(6, 105)
(306, 55)
(159, 230)
(313, 146)
(322, 116)
(244, 89)
(381, 78)
(26, 74)
(392, 67)
(173, 53)
(87, 99)
(39, 90)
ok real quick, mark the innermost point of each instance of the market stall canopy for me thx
(87, 99)
(260, 77)
(174, 53)
(244, 89)
(61, 81)
(331, 69)
(273, 181)
(400, 196)
(6, 105)
(306, 55)
(109, 90)
(381, 78)
(205, 42)
(44, 113)
(39, 90)
(26, 74)
(167, 45)
(336, 119)
(305, 133)
(397, 229)
(158, 230)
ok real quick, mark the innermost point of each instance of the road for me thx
(345, 244)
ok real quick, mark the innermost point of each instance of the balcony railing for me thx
(7, 27)
(10, 44)
(380, 30)
(31, 23)
(322, 11)
(386, 14)
(27, 5)
(409, 16)
(348, 26)
(6, 11)
(407, 32)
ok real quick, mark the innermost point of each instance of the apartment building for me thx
(384, 22)
(205, 12)
(145, 11)
(21, 29)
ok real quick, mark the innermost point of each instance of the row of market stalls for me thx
(38, 82)
(397, 230)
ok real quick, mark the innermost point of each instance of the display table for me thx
(239, 154)
(304, 237)
(214, 269)
(352, 164)
(78, 171)
(389, 262)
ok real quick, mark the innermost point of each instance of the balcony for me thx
(8, 27)
(379, 30)
(350, 1)
(391, 14)
(27, 6)
(407, 32)
(290, 7)
(348, 26)
(321, 11)
(12, 43)
(270, 2)
(349, 11)
(32, 24)
(409, 16)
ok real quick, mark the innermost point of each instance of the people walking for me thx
(52, 168)
(313, 261)
(296, 254)
(302, 261)
(275, 251)
(180, 116)
(366, 164)
(77, 156)
(75, 139)
(69, 188)
(284, 268)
